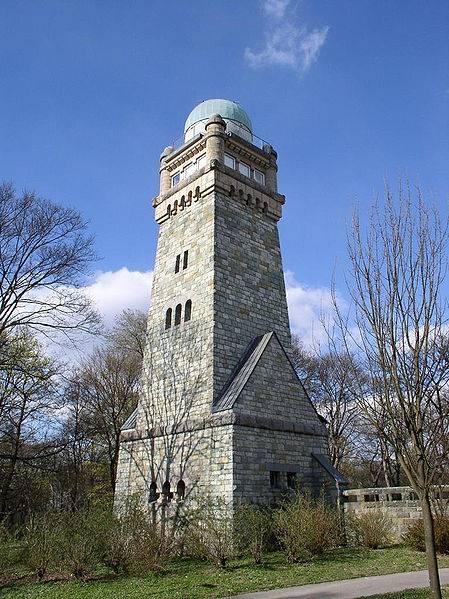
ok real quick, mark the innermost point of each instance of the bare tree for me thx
(329, 378)
(129, 333)
(109, 385)
(27, 399)
(44, 253)
(398, 270)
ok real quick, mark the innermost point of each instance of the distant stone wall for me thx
(400, 503)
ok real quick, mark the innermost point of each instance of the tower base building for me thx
(222, 412)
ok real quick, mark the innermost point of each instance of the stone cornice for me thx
(218, 166)
(226, 419)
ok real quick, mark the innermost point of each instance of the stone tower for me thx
(221, 410)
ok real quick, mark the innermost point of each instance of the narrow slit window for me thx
(188, 310)
(275, 479)
(178, 262)
(168, 315)
(291, 480)
(185, 260)
(178, 314)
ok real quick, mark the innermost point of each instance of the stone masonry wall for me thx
(180, 353)
(249, 297)
(201, 458)
(400, 503)
(274, 391)
(257, 451)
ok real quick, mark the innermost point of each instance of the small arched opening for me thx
(188, 310)
(178, 311)
(153, 495)
(181, 490)
(168, 316)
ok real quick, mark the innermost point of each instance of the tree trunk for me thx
(431, 554)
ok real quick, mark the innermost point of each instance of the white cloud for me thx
(307, 306)
(311, 45)
(286, 44)
(114, 291)
(275, 8)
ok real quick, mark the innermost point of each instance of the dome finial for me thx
(236, 118)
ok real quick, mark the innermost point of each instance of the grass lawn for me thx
(420, 594)
(185, 579)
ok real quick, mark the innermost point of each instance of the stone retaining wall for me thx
(400, 503)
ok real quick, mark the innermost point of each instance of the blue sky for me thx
(349, 92)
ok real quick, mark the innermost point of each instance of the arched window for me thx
(154, 495)
(197, 194)
(265, 207)
(168, 315)
(189, 198)
(169, 209)
(178, 311)
(166, 492)
(182, 203)
(188, 310)
(181, 490)
(232, 191)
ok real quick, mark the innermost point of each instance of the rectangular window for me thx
(189, 170)
(229, 161)
(259, 177)
(201, 161)
(291, 480)
(175, 179)
(185, 259)
(244, 169)
(178, 261)
(275, 479)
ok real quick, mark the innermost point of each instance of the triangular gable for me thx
(245, 369)
(130, 422)
(241, 374)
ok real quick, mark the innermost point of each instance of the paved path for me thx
(352, 589)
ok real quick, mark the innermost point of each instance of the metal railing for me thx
(257, 141)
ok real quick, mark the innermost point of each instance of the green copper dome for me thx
(232, 113)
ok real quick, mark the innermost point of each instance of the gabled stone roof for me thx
(241, 374)
(324, 461)
(130, 422)
(244, 370)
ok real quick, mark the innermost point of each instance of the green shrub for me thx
(211, 533)
(370, 529)
(414, 536)
(78, 543)
(41, 540)
(10, 550)
(253, 526)
(131, 543)
(306, 527)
